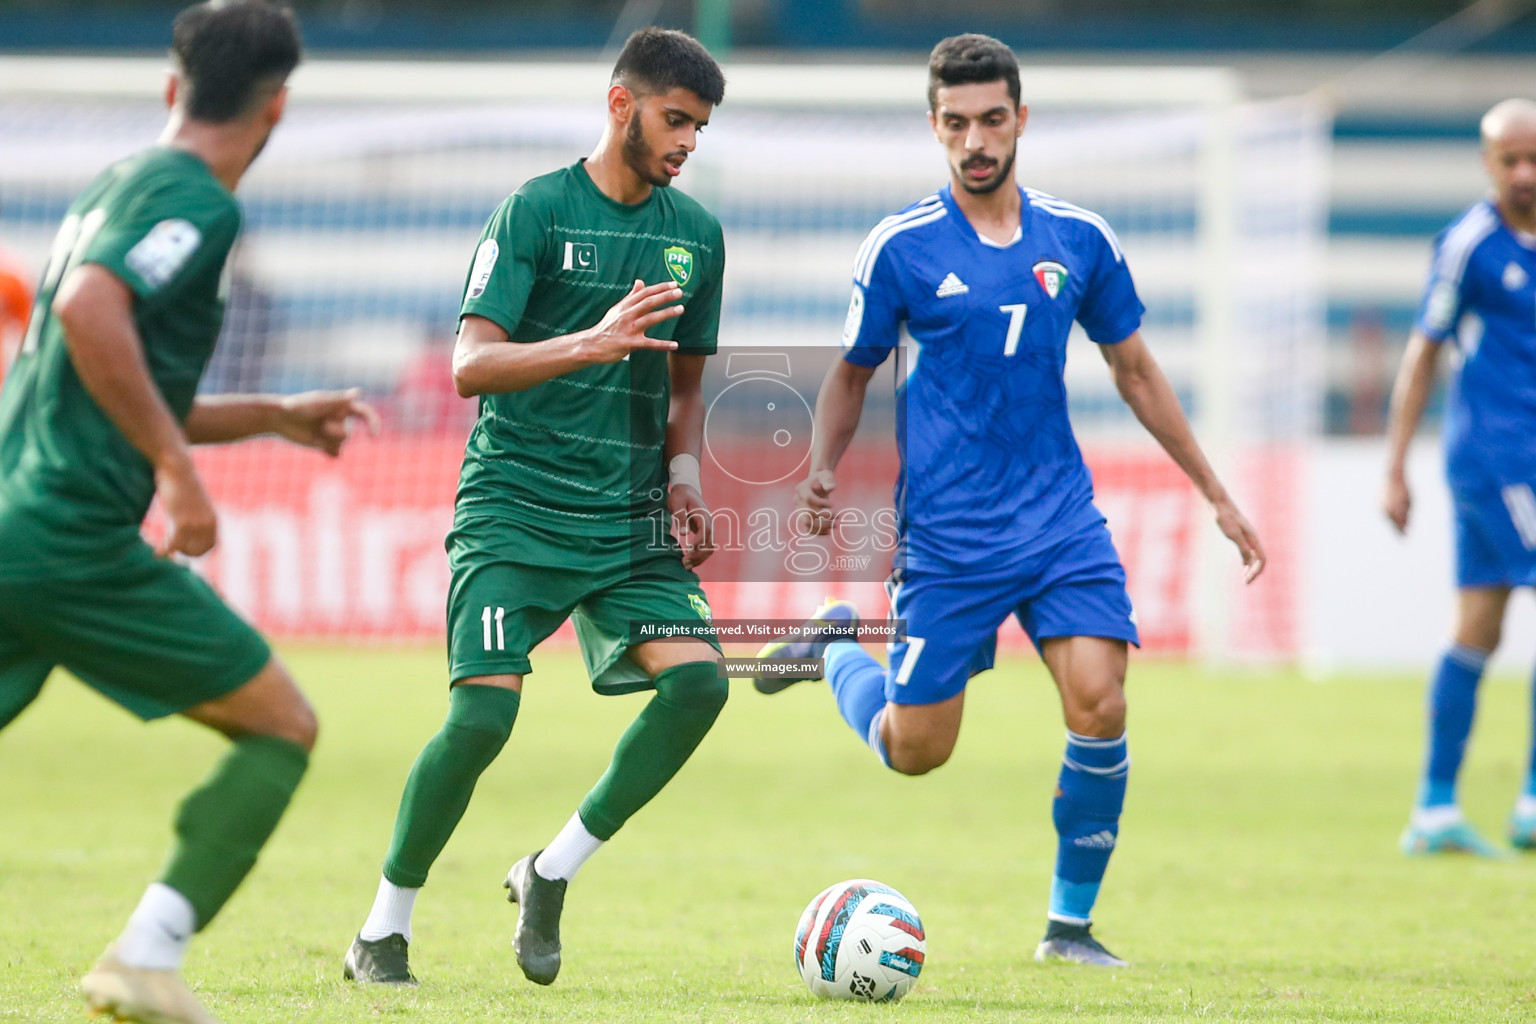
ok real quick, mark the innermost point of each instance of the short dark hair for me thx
(661, 59)
(961, 60)
(232, 54)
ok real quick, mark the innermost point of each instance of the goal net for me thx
(362, 217)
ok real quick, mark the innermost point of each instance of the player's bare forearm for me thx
(1145, 388)
(691, 522)
(1410, 395)
(96, 310)
(314, 419)
(218, 419)
(685, 411)
(484, 364)
(839, 405)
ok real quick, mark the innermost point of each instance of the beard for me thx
(1520, 199)
(640, 157)
(992, 184)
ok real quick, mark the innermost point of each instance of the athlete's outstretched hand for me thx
(692, 524)
(1397, 501)
(814, 494)
(622, 329)
(191, 525)
(1240, 531)
(323, 419)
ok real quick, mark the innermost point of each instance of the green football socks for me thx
(688, 700)
(223, 824)
(443, 778)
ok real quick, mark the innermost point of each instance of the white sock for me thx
(391, 913)
(1435, 818)
(1525, 806)
(569, 850)
(158, 931)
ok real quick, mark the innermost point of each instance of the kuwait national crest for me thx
(1051, 275)
(679, 263)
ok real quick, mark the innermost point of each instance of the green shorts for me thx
(514, 583)
(143, 631)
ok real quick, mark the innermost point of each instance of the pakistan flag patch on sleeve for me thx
(679, 263)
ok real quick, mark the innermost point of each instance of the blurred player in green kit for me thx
(96, 418)
(592, 301)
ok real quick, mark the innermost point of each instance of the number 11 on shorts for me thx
(486, 618)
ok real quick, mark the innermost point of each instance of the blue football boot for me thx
(1522, 831)
(834, 619)
(1454, 837)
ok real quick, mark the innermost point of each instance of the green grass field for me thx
(1257, 878)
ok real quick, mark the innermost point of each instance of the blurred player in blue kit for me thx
(995, 504)
(1481, 299)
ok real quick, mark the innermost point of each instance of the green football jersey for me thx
(163, 224)
(583, 452)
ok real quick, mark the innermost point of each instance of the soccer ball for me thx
(860, 940)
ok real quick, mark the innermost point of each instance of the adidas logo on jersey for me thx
(1104, 840)
(951, 285)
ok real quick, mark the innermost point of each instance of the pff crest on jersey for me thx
(679, 262)
(1051, 275)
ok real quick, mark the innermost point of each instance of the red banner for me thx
(352, 548)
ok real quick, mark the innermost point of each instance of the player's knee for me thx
(696, 685)
(478, 742)
(920, 762)
(1480, 636)
(917, 757)
(300, 725)
(282, 712)
(1100, 712)
(479, 721)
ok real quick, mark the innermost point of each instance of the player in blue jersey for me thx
(995, 507)
(1481, 299)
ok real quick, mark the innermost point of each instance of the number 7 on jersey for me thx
(1015, 325)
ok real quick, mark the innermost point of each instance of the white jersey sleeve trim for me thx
(1061, 208)
(925, 212)
(1460, 242)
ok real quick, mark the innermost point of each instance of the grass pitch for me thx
(1257, 879)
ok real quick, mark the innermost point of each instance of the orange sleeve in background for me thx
(15, 307)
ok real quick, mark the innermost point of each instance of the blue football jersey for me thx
(1481, 295)
(990, 468)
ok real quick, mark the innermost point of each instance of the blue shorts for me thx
(1496, 537)
(1076, 588)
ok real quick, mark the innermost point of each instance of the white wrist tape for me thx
(684, 469)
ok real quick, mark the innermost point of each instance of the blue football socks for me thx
(858, 684)
(1089, 796)
(1452, 703)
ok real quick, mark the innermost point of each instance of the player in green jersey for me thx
(96, 417)
(591, 303)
